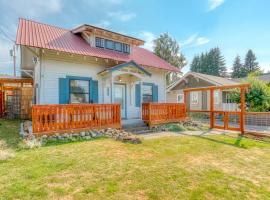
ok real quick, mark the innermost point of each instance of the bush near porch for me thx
(181, 167)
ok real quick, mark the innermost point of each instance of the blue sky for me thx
(198, 25)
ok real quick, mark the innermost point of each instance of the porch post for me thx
(112, 89)
(211, 108)
(242, 113)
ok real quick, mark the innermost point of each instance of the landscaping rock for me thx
(82, 134)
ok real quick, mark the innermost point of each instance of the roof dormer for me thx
(102, 38)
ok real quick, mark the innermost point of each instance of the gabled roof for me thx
(127, 64)
(215, 80)
(35, 34)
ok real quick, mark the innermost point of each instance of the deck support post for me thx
(242, 117)
(211, 108)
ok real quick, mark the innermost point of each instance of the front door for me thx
(120, 97)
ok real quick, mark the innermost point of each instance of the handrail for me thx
(63, 117)
(159, 113)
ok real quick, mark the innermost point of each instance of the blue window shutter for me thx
(155, 93)
(63, 90)
(138, 95)
(94, 91)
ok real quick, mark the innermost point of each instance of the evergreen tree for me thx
(195, 64)
(212, 63)
(238, 69)
(168, 49)
(251, 65)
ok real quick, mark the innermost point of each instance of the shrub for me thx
(176, 127)
(258, 96)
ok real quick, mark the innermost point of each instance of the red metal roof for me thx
(35, 34)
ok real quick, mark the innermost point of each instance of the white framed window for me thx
(194, 96)
(180, 98)
(216, 97)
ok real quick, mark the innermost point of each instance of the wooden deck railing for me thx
(160, 113)
(59, 118)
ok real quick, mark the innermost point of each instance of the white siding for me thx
(53, 69)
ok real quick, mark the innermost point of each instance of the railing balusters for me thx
(48, 118)
(157, 113)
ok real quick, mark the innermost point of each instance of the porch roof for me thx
(124, 65)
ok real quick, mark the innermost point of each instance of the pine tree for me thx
(195, 64)
(251, 65)
(238, 69)
(211, 62)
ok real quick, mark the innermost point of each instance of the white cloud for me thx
(122, 16)
(103, 24)
(194, 40)
(213, 4)
(34, 8)
(202, 41)
(149, 38)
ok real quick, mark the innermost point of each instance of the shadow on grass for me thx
(9, 132)
(237, 143)
(63, 142)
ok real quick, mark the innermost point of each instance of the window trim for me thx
(182, 97)
(79, 79)
(216, 98)
(194, 94)
(102, 42)
(152, 90)
(125, 48)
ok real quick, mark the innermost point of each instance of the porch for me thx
(49, 119)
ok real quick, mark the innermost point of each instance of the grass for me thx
(181, 167)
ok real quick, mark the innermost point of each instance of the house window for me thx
(79, 91)
(99, 42)
(118, 46)
(109, 44)
(147, 92)
(216, 97)
(180, 98)
(194, 97)
(126, 48)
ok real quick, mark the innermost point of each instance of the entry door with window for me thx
(120, 97)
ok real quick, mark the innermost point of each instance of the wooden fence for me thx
(160, 113)
(59, 118)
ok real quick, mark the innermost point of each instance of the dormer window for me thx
(118, 46)
(112, 45)
(109, 44)
(126, 48)
(100, 42)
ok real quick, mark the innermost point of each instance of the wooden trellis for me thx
(226, 114)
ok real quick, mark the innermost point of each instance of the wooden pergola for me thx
(241, 113)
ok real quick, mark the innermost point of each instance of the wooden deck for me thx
(162, 113)
(47, 119)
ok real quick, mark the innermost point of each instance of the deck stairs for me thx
(136, 126)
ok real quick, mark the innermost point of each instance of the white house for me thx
(200, 100)
(89, 64)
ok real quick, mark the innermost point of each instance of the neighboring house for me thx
(89, 64)
(201, 100)
(264, 77)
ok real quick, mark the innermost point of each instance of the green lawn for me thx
(188, 167)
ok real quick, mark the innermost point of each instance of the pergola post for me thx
(242, 113)
(185, 99)
(211, 108)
